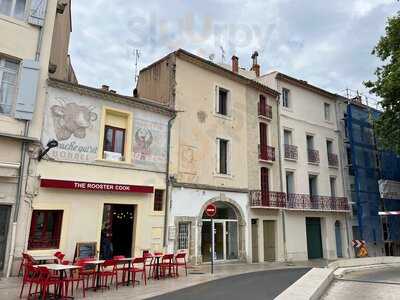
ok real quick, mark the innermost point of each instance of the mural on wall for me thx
(74, 123)
(149, 144)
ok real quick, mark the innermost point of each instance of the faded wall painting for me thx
(149, 144)
(73, 120)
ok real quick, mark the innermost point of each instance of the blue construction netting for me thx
(368, 165)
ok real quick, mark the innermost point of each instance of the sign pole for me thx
(212, 245)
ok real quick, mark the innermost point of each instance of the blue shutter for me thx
(27, 88)
(37, 12)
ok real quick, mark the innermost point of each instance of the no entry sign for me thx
(211, 210)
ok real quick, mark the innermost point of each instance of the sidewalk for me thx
(10, 287)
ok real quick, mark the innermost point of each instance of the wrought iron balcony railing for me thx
(269, 199)
(313, 156)
(265, 110)
(333, 160)
(266, 152)
(291, 152)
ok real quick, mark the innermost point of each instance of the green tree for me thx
(387, 86)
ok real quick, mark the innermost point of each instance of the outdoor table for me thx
(98, 263)
(42, 259)
(157, 266)
(129, 261)
(61, 269)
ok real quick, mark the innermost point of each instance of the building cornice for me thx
(139, 103)
(197, 186)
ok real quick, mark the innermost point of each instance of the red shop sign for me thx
(95, 186)
(211, 210)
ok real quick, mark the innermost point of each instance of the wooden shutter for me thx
(37, 12)
(263, 134)
(264, 186)
(27, 89)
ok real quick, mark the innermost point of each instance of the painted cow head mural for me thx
(72, 119)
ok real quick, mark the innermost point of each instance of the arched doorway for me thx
(338, 237)
(226, 238)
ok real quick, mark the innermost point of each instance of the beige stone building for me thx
(210, 149)
(26, 30)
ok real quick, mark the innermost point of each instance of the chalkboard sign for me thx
(85, 250)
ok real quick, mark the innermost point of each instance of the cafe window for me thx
(114, 141)
(158, 200)
(45, 229)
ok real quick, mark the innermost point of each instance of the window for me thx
(13, 8)
(329, 146)
(222, 103)
(332, 182)
(310, 142)
(114, 143)
(312, 185)
(223, 156)
(287, 137)
(45, 229)
(183, 235)
(8, 84)
(158, 200)
(285, 98)
(327, 111)
(263, 134)
(289, 182)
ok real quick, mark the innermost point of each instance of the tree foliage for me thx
(387, 85)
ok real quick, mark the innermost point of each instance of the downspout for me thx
(167, 181)
(22, 164)
(281, 176)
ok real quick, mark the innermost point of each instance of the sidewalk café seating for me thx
(150, 263)
(46, 281)
(122, 268)
(26, 259)
(31, 277)
(87, 272)
(60, 258)
(75, 276)
(180, 261)
(167, 264)
(138, 266)
(108, 269)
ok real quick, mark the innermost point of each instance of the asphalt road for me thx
(259, 285)
(368, 284)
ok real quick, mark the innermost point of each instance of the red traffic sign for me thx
(211, 210)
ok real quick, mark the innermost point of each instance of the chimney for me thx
(105, 87)
(235, 64)
(255, 67)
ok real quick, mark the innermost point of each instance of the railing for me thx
(297, 201)
(266, 152)
(267, 199)
(291, 152)
(313, 156)
(333, 160)
(265, 110)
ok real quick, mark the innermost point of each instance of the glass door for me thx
(232, 241)
(219, 240)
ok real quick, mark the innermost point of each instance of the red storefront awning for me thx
(95, 186)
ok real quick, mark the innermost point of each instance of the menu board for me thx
(85, 250)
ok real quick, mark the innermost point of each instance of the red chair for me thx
(74, 276)
(180, 261)
(31, 277)
(121, 267)
(87, 272)
(108, 269)
(138, 266)
(167, 262)
(149, 262)
(47, 281)
(26, 258)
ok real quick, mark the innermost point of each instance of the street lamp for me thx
(51, 144)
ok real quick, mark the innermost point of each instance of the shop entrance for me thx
(269, 240)
(314, 241)
(226, 239)
(117, 230)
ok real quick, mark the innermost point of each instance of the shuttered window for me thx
(8, 84)
(13, 8)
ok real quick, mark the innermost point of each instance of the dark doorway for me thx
(4, 222)
(314, 241)
(117, 230)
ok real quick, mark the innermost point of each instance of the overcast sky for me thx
(327, 43)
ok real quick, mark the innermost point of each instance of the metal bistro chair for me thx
(31, 277)
(108, 269)
(167, 263)
(138, 266)
(180, 261)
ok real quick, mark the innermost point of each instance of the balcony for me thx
(313, 156)
(291, 152)
(326, 203)
(259, 199)
(266, 153)
(267, 199)
(265, 110)
(333, 160)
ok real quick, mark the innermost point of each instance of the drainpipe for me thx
(281, 177)
(17, 200)
(167, 181)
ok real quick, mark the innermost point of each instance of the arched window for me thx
(224, 211)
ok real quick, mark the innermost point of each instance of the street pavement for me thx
(258, 285)
(383, 283)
